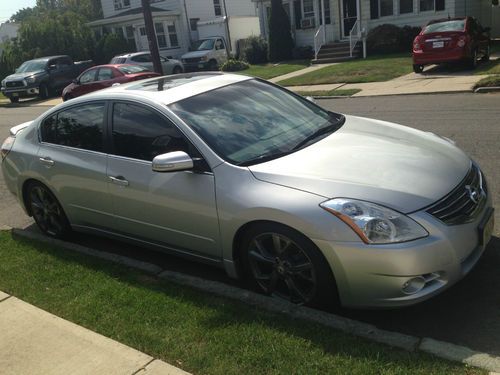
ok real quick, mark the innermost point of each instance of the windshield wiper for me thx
(319, 132)
(264, 157)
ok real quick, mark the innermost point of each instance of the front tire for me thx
(212, 65)
(177, 70)
(283, 263)
(486, 56)
(46, 210)
(418, 68)
(44, 91)
(14, 99)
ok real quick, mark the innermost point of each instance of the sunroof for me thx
(169, 82)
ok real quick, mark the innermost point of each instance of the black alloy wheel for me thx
(285, 264)
(47, 212)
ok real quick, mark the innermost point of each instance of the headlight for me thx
(375, 224)
(30, 80)
(203, 58)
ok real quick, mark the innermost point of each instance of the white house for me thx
(343, 17)
(8, 31)
(175, 20)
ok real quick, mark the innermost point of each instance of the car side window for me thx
(104, 74)
(88, 76)
(141, 133)
(79, 127)
(142, 58)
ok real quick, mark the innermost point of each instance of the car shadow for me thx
(467, 314)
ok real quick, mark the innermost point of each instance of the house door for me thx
(143, 39)
(349, 16)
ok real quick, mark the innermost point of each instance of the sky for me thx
(9, 7)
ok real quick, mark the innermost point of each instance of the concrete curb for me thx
(486, 89)
(394, 339)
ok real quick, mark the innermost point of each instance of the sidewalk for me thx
(300, 72)
(33, 341)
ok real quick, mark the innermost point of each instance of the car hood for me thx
(195, 54)
(377, 161)
(17, 76)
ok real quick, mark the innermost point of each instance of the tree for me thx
(280, 38)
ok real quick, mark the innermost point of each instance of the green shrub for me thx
(255, 50)
(233, 65)
(303, 53)
(390, 38)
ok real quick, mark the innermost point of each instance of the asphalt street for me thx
(467, 314)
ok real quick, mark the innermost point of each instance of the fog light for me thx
(414, 285)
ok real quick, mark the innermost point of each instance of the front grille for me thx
(192, 60)
(15, 84)
(464, 202)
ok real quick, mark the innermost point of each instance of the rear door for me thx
(176, 209)
(72, 161)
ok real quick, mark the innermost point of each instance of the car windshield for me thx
(252, 121)
(453, 25)
(32, 66)
(131, 69)
(118, 60)
(206, 44)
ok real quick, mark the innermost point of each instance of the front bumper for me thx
(193, 67)
(374, 275)
(21, 92)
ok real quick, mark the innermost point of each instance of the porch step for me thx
(337, 52)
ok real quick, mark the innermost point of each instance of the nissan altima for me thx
(308, 205)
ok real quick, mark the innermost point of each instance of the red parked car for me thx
(102, 76)
(451, 40)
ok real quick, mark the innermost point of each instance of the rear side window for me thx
(79, 127)
(141, 133)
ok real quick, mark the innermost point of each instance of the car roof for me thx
(47, 58)
(169, 89)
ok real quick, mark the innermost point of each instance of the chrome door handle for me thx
(118, 180)
(47, 161)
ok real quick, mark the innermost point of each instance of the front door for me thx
(349, 16)
(177, 209)
(143, 39)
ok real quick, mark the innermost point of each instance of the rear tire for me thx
(486, 56)
(177, 70)
(14, 100)
(472, 64)
(418, 68)
(283, 263)
(46, 211)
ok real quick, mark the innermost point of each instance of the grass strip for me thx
(270, 70)
(372, 69)
(336, 92)
(197, 332)
(490, 81)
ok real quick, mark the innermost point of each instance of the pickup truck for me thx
(206, 54)
(42, 77)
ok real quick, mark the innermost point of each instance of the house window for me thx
(386, 8)
(160, 35)
(129, 33)
(121, 4)
(328, 19)
(431, 5)
(193, 23)
(217, 8)
(405, 6)
(308, 8)
(172, 35)
(142, 31)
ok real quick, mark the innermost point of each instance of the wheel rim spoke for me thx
(261, 257)
(295, 290)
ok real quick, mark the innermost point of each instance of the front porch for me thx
(331, 27)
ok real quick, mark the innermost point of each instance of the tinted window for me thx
(453, 25)
(88, 76)
(79, 127)
(142, 58)
(141, 133)
(105, 74)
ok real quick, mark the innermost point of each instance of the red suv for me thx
(450, 40)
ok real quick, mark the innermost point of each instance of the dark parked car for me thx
(102, 76)
(451, 40)
(42, 77)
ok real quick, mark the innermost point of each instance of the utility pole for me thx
(229, 46)
(151, 33)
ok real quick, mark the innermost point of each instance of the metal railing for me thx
(354, 36)
(319, 40)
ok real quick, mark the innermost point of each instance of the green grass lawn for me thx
(372, 69)
(336, 92)
(490, 67)
(195, 331)
(490, 81)
(270, 70)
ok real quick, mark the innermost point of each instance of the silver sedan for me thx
(169, 66)
(308, 205)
